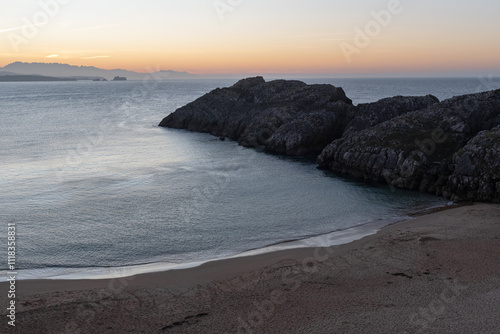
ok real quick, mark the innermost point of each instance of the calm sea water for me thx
(91, 181)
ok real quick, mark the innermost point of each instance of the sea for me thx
(95, 189)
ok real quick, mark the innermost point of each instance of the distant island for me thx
(118, 78)
(88, 72)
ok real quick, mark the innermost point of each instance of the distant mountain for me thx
(65, 70)
(2, 73)
(23, 78)
(11, 76)
(86, 78)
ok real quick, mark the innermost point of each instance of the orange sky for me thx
(279, 36)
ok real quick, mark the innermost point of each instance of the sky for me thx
(323, 37)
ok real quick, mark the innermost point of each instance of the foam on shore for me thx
(325, 240)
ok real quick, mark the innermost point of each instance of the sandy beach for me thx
(437, 273)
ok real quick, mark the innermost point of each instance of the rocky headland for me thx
(285, 117)
(449, 148)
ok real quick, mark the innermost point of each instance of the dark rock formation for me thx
(448, 148)
(367, 115)
(476, 169)
(420, 150)
(285, 117)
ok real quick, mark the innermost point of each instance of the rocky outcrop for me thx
(419, 150)
(285, 117)
(367, 115)
(476, 169)
(448, 148)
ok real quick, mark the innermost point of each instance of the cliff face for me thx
(448, 148)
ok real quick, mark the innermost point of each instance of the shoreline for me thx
(381, 283)
(339, 237)
(333, 238)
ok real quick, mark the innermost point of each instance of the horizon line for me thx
(467, 73)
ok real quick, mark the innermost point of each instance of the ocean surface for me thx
(92, 182)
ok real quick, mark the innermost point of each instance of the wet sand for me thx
(437, 273)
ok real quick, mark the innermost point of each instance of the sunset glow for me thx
(257, 36)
